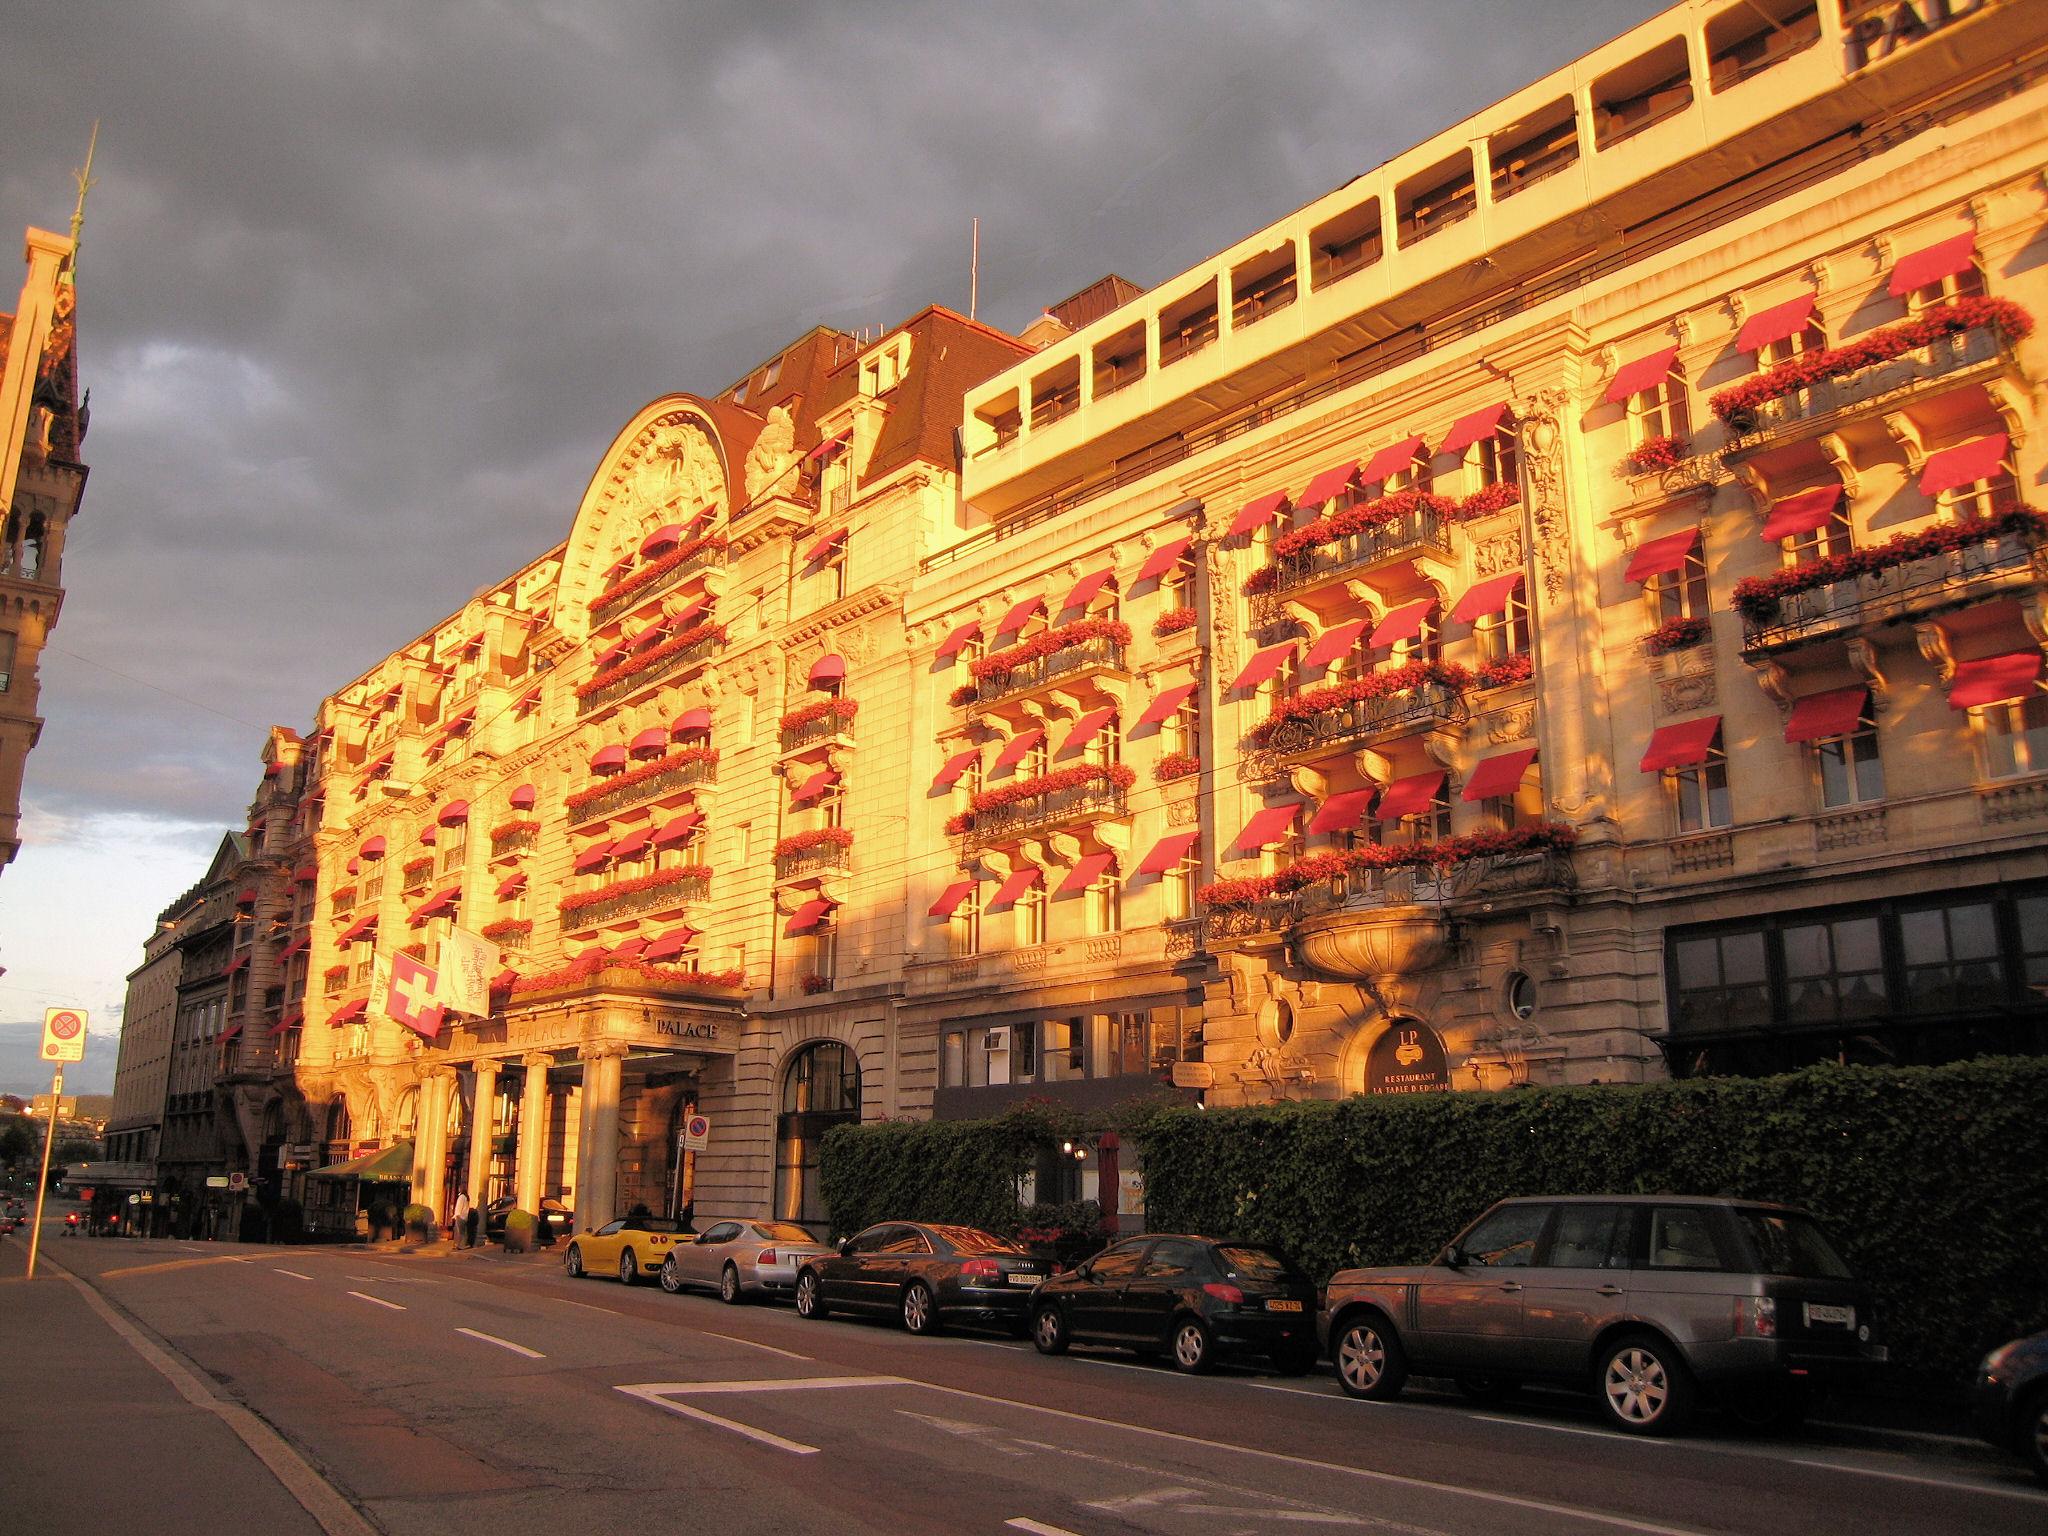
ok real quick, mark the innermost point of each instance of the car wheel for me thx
(809, 1302)
(729, 1286)
(920, 1314)
(574, 1262)
(2033, 1436)
(1296, 1359)
(1049, 1331)
(629, 1268)
(1643, 1385)
(1370, 1361)
(671, 1277)
(1191, 1348)
(1488, 1390)
(1766, 1407)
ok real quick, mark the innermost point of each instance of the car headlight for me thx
(1998, 1359)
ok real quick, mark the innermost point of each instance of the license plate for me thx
(1020, 1279)
(1283, 1306)
(1816, 1312)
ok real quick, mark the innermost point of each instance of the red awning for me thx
(1390, 460)
(1163, 559)
(667, 536)
(1021, 879)
(441, 901)
(828, 668)
(704, 514)
(670, 944)
(1661, 557)
(355, 866)
(815, 786)
(236, 964)
(529, 699)
(683, 616)
(459, 724)
(246, 898)
(1484, 597)
(512, 885)
(1086, 871)
(677, 829)
(1412, 796)
(823, 547)
(1645, 372)
(1019, 615)
(1257, 513)
(1775, 323)
(357, 929)
(1168, 852)
(1477, 427)
(609, 654)
(592, 858)
(306, 874)
(1820, 715)
(429, 833)
(632, 845)
(651, 636)
(830, 448)
(630, 950)
(957, 640)
(955, 766)
(652, 742)
(1801, 513)
(1343, 810)
(1402, 623)
(608, 759)
(1931, 263)
(1015, 748)
(1262, 666)
(1085, 728)
(1330, 484)
(1994, 679)
(523, 797)
(1964, 464)
(291, 1020)
(690, 722)
(950, 899)
(1335, 642)
(1499, 775)
(616, 569)
(1684, 745)
(453, 814)
(1267, 827)
(809, 915)
(349, 1011)
(1165, 703)
(1086, 588)
(373, 848)
(298, 946)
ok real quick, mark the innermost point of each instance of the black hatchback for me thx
(925, 1274)
(1192, 1296)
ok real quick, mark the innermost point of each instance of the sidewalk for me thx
(93, 1438)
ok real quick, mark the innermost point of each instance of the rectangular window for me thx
(1506, 633)
(1001, 420)
(1120, 360)
(2015, 736)
(1834, 969)
(1349, 243)
(1680, 594)
(1641, 94)
(963, 929)
(451, 844)
(1105, 903)
(1056, 393)
(1850, 771)
(1031, 916)
(1435, 198)
(1188, 324)
(1262, 286)
(1951, 957)
(953, 1059)
(1541, 144)
(1747, 39)
(1178, 887)
(1495, 460)
(1834, 537)
(1810, 338)
(1660, 411)
(1065, 1053)
(1720, 981)
(1700, 793)
(1179, 586)
(1966, 284)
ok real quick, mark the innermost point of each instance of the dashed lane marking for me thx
(662, 1394)
(292, 1272)
(1994, 1490)
(733, 1338)
(492, 1338)
(377, 1301)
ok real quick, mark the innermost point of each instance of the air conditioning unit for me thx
(996, 1040)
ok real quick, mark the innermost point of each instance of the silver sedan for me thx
(739, 1256)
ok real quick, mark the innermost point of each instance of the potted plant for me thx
(519, 1230)
(420, 1226)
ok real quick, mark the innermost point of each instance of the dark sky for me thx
(367, 288)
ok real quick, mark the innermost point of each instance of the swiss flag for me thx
(411, 998)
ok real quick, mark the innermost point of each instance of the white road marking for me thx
(1037, 1529)
(733, 1338)
(492, 1338)
(377, 1301)
(294, 1274)
(586, 1306)
(1612, 1437)
(1993, 1489)
(663, 1393)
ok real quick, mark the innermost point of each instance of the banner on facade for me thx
(410, 999)
(468, 962)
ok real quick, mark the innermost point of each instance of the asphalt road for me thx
(494, 1396)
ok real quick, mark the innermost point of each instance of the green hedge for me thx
(1933, 1179)
(963, 1171)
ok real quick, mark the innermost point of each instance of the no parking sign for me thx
(696, 1133)
(64, 1034)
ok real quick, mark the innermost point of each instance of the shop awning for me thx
(1402, 623)
(1410, 796)
(1821, 715)
(1334, 643)
(523, 797)
(1801, 513)
(632, 845)
(1994, 679)
(1268, 826)
(1167, 853)
(1015, 748)
(809, 915)
(393, 1163)
(512, 885)
(357, 929)
(1390, 460)
(1257, 513)
(373, 848)
(1684, 745)
(1646, 372)
(1165, 703)
(1964, 464)
(950, 899)
(667, 536)
(592, 858)
(678, 829)
(1330, 484)
(1086, 871)
(1661, 557)
(814, 786)
(349, 1011)
(955, 766)
(690, 722)
(1163, 559)
(453, 814)
(1019, 615)
(670, 944)
(1085, 729)
(1477, 427)
(1775, 323)
(1020, 880)
(652, 742)
(1484, 597)
(1343, 810)
(1498, 775)
(1086, 588)
(608, 759)
(957, 641)
(1932, 263)
(1262, 666)
(824, 546)
(828, 668)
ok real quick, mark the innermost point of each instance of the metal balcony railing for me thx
(606, 608)
(667, 667)
(1367, 719)
(809, 863)
(1902, 590)
(675, 893)
(1420, 532)
(827, 727)
(1531, 870)
(513, 841)
(1097, 800)
(1936, 360)
(682, 776)
(1099, 654)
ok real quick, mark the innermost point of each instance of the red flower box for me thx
(1675, 635)
(585, 966)
(1018, 791)
(509, 928)
(640, 663)
(1757, 597)
(642, 774)
(1374, 685)
(661, 567)
(845, 709)
(1046, 643)
(815, 984)
(1174, 621)
(1651, 455)
(1318, 867)
(816, 837)
(582, 899)
(1176, 765)
(507, 828)
(1517, 668)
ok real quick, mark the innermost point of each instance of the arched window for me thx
(338, 1126)
(820, 1089)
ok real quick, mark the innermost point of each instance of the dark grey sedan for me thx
(2011, 1400)
(925, 1274)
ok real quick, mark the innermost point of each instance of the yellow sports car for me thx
(630, 1247)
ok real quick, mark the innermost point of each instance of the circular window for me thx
(1520, 995)
(1276, 1022)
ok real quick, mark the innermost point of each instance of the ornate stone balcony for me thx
(668, 667)
(813, 862)
(606, 608)
(690, 775)
(1880, 384)
(514, 838)
(1420, 532)
(829, 729)
(1101, 653)
(695, 886)
(1056, 810)
(1424, 707)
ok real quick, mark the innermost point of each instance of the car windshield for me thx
(782, 1232)
(974, 1240)
(1793, 1245)
(1255, 1263)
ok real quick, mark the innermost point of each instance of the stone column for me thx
(432, 1147)
(483, 1102)
(597, 1144)
(533, 1129)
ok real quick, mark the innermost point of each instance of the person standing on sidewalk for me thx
(461, 1221)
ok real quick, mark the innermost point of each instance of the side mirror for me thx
(1455, 1256)
(845, 1247)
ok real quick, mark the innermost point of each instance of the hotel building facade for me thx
(1565, 607)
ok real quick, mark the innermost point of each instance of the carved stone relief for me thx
(1685, 694)
(1502, 552)
(774, 451)
(1511, 725)
(1541, 417)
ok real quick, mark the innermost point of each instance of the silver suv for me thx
(1643, 1298)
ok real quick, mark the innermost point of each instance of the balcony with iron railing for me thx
(1422, 531)
(1064, 809)
(1361, 721)
(579, 914)
(1948, 360)
(831, 726)
(1096, 654)
(692, 774)
(608, 606)
(661, 670)
(813, 862)
(511, 839)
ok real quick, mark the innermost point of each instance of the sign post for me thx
(63, 1040)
